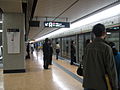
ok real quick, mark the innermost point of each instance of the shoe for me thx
(45, 68)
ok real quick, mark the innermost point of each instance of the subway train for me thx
(113, 35)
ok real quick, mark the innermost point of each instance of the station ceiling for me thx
(71, 9)
(11, 6)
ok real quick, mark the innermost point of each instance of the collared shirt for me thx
(98, 60)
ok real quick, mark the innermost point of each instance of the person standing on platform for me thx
(51, 53)
(67, 48)
(46, 53)
(99, 69)
(36, 46)
(57, 50)
(117, 60)
(87, 42)
(32, 47)
(73, 58)
(28, 51)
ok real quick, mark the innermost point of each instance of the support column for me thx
(13, 62)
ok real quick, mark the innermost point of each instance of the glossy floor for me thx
(36, 78)
(1, 80)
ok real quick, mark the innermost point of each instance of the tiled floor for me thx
(1, 79)
(36, 78)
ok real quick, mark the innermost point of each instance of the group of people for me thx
(48, 52)
(101, 63)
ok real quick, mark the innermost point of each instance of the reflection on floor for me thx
(36, 78)
(1, 66)
(1, 79)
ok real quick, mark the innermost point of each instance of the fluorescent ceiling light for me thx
(108, 32)
(113, 11)
(1, 21)
(31, 41)
(1, 30)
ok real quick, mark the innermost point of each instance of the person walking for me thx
(46, 53)
(98, 63)
(32, 47)
(28, 51)
(117, 60)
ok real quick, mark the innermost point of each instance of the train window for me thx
(65, 47)
(113, 37)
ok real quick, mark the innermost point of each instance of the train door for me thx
(81, 46)
(73, 38)
(113, 35)
(65, 47)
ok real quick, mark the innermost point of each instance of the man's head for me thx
(112, 45)
(46, 40)
(99, 30)
(88, 41)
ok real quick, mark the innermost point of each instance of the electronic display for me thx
(113, 28)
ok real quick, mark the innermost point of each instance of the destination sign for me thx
(51, 24)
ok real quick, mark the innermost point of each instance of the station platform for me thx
(60, 76)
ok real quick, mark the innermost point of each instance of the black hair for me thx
(72, 42)
(46, 40)
(87, 42)
(112, 45)
(98, 29)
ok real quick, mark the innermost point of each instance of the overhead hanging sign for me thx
(51, 24)
(34, 23)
